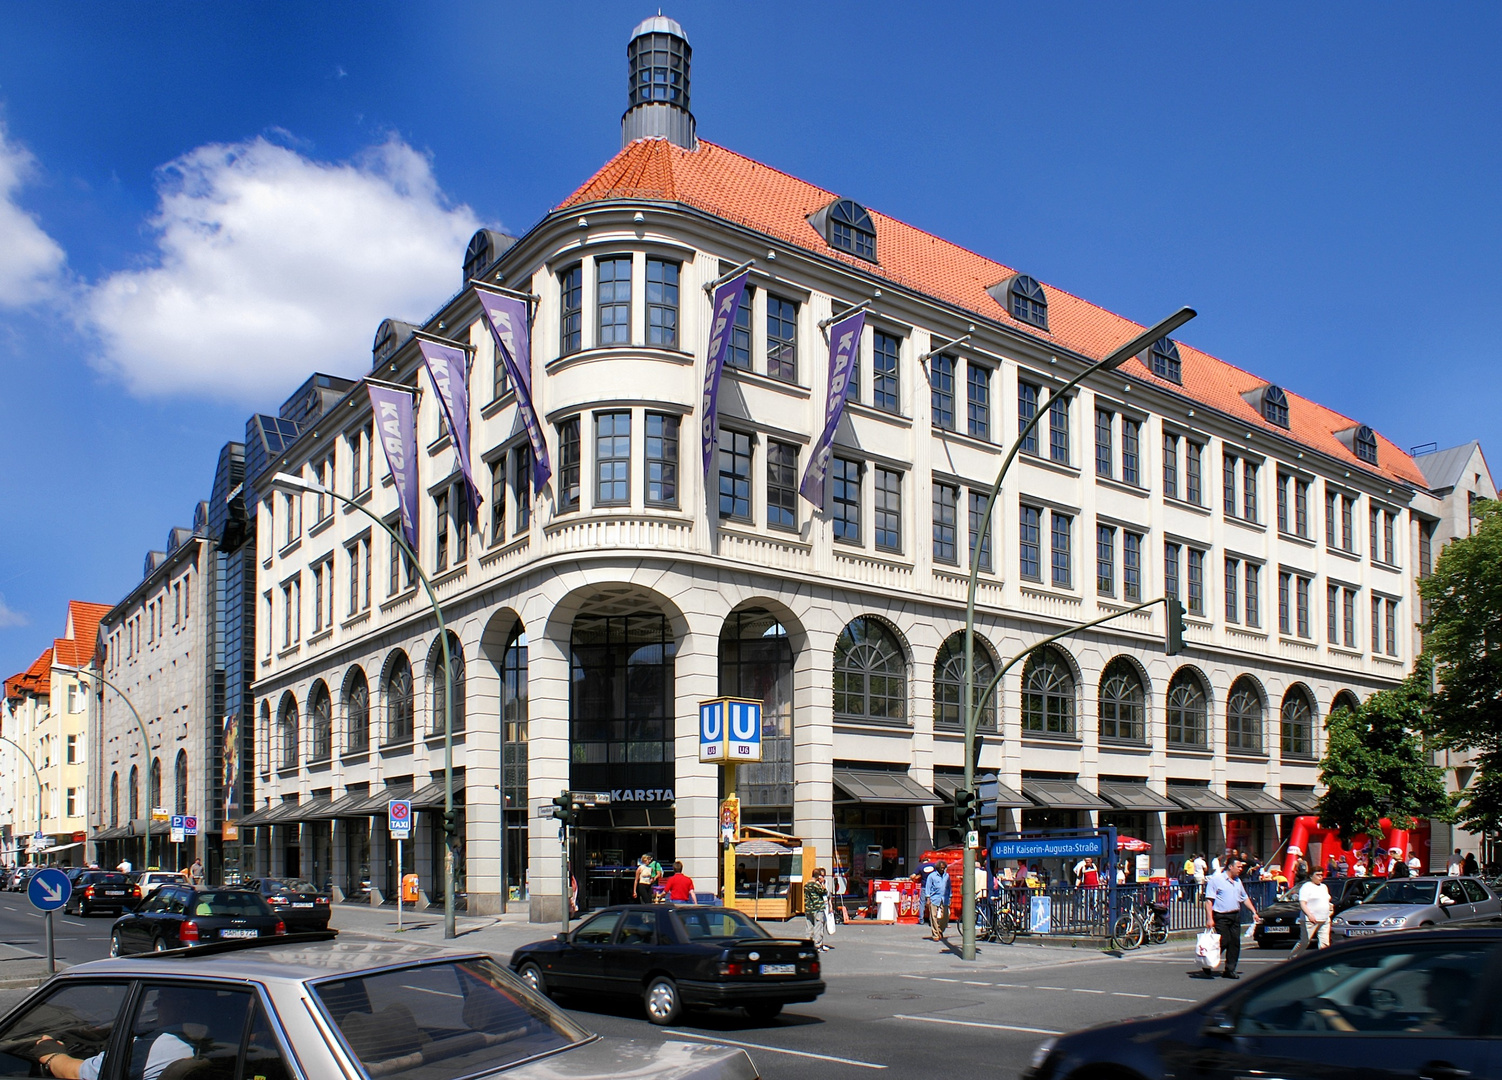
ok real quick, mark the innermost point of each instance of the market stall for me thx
(770, 869)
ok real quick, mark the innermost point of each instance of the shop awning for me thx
(255, 817)
(431, 797)
(946, 784)
(1135, 796)
(347, 805)
(316, 809)
(1061, 795)
(284, 813)
(1200, 800)
(1255, 800)
(875, 787)
(1303, 800)
(375, 805)
(114, 832)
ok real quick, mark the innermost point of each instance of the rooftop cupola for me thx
(658, 57)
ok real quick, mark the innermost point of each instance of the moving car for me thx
(1403, 1005)
(183, 915)
(675, 958)
(150, 880)
(102, 890)
(307, 1006)
(301, 905)
(1405, 903)
(1280, 921)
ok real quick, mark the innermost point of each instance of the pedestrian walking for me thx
(1469, 866)
(1454, 868)
(195, 872)
(936, 892)
(815, 904)
(1396, 866)
(1315, 903)
(645, 879)
(1201, 875)
(1415, 864)
(1225, 896)
(680, 886)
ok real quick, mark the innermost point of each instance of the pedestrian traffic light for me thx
(451, 827)
(564, 808)
(964, 809)
(1174, 643)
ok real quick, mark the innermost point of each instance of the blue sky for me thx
(200, 203)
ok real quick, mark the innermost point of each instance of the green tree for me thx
(1377, 766)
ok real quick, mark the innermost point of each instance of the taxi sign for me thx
(399, 818)
(49, 889)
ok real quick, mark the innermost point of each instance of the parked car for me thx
(300, 904)
(1405, 1005)
(150, 880)
(1280, 921)
(305, 1006)
(1405, 903)
(175, 916)
(23, 878)
(675, 958)
(102, 890)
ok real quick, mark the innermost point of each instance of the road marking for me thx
(1050, 988)
(979, 1024)
(1122, 993)
(1082, 990)
(938, 978)
(1162, 998)
(923, 977)
(972, 982)
(777, 1050)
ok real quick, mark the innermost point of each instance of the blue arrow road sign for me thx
(49, 889)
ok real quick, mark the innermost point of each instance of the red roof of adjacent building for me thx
(37, 679)
(75, 650)
(736, 188)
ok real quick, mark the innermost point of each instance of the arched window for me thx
(756, 662)
(1275, 406)
(356, 712)
(949, 683)
(180, 782)
(1187, 710)
(440, 685)
(1298, 723)
(1365, 444)
(287, 732)
(1345, 700)
(320, 723)
(851, 229)
(1165, 360)
(1122, 703)
(156, 785)
(263, 738)
(1047, 694)
(399, 699)
(870, 673)
(114, 798)
(1026, 302)
(135, 792)
(1244, 718)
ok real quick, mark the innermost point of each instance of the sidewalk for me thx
(22, 969)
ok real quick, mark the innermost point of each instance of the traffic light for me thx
(1174, 643)
(564, 808)
(964, 809)
(451, 827)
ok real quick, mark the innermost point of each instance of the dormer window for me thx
(1275, 406)
(1365, 445)
(851, 229)
(1026, 302)
(1165, 362)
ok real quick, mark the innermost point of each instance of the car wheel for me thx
(662, 1001)
(158, 945)
(764, 1011)
(531, 974)
(116, 949)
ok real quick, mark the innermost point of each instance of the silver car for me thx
(322, 1010)
(1410, 903)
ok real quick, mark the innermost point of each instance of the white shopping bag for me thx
(829, 920)
(1207, 950)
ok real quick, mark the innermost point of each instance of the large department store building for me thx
(594, 615)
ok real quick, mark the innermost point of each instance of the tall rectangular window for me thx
(1253, 595)
(1302, 600)
(1058, 430)
(662, 459)
(1374, 532)
(1171, 555)
(887, 503)
(662, 303)
(1284, 483)
(1332, 509)
(1105, 560)
(358, 555)
(459, 500)
(1389, 539)
(1249, 506)
(571, 310)
(782, 339)
(1392, 628)
(1301, 507)
(613, 300)
(1131, 567)
(845, 510)
(359, 461)
(946, 523)
(1285, 602)
(738, 351)
(782, 485)
(1131, 454)
(568, 464)
(498, 499)
(735, 475)
(884, 385)
(978, 500)
(941, 376)
(1171, 466)
(1027, 408)
(1194, 472)
(401, 573)
(1228, 481)
(1349, 608)
(441, 529)
(1062, 558)
(1348, 523)
(978, 400)
(612, 458)
(1332, 613)
(1233, 589)
(1196, 601)
(1376, 624)
(1028, 540)
(521, 485)
(1103, 443)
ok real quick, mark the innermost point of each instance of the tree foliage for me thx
(1376, 764)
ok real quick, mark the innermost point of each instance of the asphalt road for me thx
(76, 940)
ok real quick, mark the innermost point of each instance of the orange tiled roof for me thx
(36, 679)
(748, 193)
(83, 623)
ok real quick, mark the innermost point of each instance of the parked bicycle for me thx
(995, 922)
(1142, 921)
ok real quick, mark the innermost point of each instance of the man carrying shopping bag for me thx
(815, 909)
(1224, 897)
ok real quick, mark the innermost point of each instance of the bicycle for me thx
(1143, 921)
(993, 923)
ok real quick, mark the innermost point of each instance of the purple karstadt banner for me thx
(448, 367)
(397, 434)
(727, 299)
(507, 318)
(844, 346)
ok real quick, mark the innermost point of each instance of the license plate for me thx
(309, 904)
(239, 933)
(1355, 931)
(779, 969)
(114, 892)
(1277, 929)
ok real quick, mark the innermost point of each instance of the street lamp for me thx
(37, 773)
(970, 708)
(287, 483)
(84, 675)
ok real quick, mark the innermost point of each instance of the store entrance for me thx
(608, 844)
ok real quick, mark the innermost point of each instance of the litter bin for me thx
(410, 892)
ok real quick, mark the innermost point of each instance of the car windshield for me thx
(443, 1020)
(106, 879)
(1404, 893)
(713, 925)
(230, 902)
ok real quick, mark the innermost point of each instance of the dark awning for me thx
(255, 817)
(284, 814)
(1061, 795)
(1199, 800)
(347, 805)
(875, 787)
(1134, 795)
(431, 797)
(375, 805)
(946, 784)
(116, 832)
(1302, 799)
(316, 809)
(1255, 800)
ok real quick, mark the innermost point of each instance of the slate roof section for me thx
(1444, 469)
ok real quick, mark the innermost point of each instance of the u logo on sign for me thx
(711, 723)
(743, 722)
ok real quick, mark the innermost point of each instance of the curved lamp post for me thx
(35, 772)
(287, 483)
(970, 707)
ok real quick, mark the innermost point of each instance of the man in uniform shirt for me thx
(1224, 897)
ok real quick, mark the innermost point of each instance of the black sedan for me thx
(675, 958)
(301, 905)
(179, 916)
(102, 890)
(1416, 1004)
(1280, 921)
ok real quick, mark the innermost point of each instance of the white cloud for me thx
(31, 262)
(270, 265)
(10, 618)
